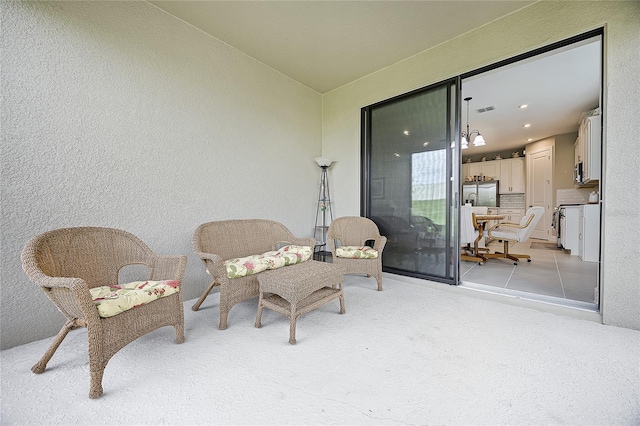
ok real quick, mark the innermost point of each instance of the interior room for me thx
(531, 109)
(157, 116)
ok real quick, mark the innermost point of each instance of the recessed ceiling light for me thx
(527, 125)
(425, 144)
(396, 154)
(406, 132)
(529, 140)
(523, 106)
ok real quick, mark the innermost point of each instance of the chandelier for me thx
(479, 140)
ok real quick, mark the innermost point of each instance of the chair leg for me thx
(196, 306)
(224, 314)
(41, 365)
(179, 332)
(341, 297)
(379, 280)
(505, 254)
(97, 363)
(292, 324)
(258, 322)
(96, 383)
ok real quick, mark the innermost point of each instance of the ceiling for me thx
(557, 87)
(327, 44)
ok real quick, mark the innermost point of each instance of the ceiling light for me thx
(396, 154)
(478, 140)
(529, 140)
(464, 144)
(425, 144)
(406, 132)
(523, 106)
(526, 125)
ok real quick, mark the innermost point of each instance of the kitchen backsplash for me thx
(574, 196)
(513, 201)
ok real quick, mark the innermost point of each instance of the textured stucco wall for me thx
(535, 26)
(117, 114)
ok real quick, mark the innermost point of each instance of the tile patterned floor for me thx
(551, 273)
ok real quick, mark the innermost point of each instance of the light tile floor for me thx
(552, 272)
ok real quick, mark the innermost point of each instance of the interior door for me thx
(539, 189)
(410, 180)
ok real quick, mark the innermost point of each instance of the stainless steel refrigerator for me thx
(485, 193)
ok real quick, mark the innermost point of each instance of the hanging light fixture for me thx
(478, 141)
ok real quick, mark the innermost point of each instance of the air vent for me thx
(485, 109)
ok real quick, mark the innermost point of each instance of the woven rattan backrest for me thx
(91, 253)
(240, 237)
(353, 230)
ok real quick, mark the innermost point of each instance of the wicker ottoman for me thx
(298, 289)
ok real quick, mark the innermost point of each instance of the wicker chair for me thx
(66, 263)
(218, 241)
(357, 231)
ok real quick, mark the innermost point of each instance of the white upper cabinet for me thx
(488, 169)
(510, 173)
(588, 148)
(512, 177)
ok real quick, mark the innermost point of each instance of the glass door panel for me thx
(407, 180)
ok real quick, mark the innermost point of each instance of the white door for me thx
(539, 184)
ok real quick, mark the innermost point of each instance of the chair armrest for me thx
(476, 225)
(77, 287)
(167, 267)
(504, 224)
(379, 243)
(57, 282)
(215, 265)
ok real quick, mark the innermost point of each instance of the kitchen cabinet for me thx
(471, 170)
(589, 226)
(570, 229)
(485, 168)
(511, 176)
(491, 169)
(588, 150)
(511, 215)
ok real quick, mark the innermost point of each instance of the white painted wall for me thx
(538, 25)
(117, 114)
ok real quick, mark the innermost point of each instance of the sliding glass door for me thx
(410, 180)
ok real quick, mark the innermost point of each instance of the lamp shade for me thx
(464, 144)
(479, 141)
(323, 162)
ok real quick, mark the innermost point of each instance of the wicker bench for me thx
(218, 241)
(297, 290)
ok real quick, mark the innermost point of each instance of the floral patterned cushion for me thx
(112, 300)
(287, 255)
(356, 252)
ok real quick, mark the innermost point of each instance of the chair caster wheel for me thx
(528, 260)
(515, 263)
